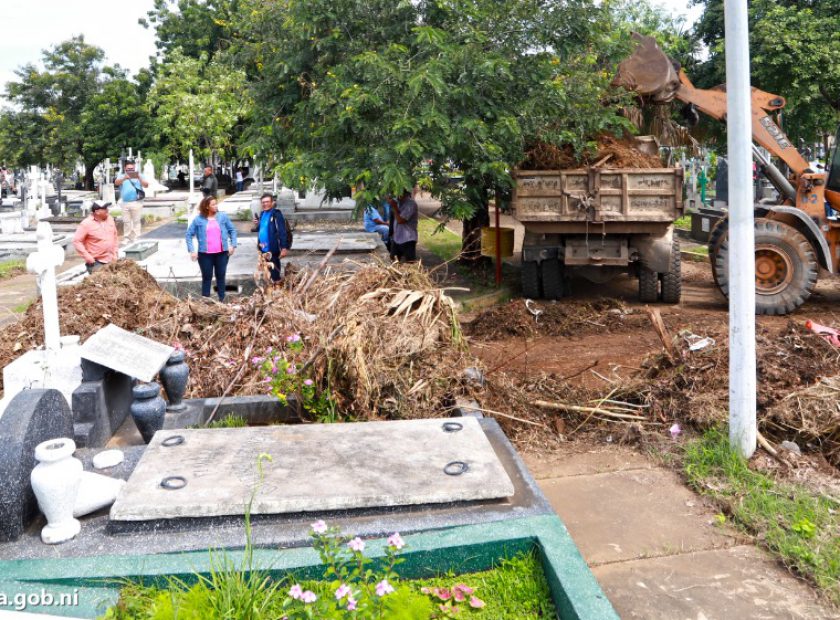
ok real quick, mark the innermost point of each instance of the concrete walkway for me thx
(655, 546)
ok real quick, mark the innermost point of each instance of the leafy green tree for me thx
(793, 53)
(198, 28)
(376, 92)
(198, 106)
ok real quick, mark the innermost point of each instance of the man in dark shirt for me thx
(209, 184)
(272, 238)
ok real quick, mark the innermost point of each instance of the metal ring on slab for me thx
(173, 483)
(174, 440)
(452, 427)
(455, 468)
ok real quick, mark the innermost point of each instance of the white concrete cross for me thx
(43, 263)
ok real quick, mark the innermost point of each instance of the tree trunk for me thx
(471, 236)
(89, 176)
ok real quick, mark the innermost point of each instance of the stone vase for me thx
(55, 481)
(174, 377)
(147, 409)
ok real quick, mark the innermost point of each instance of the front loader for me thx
(794, 238)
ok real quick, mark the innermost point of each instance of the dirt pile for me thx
(798, 393)
(383, 340)
(611, 152)
(122, 293)
(540, 318)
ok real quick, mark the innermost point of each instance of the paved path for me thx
(654, 545)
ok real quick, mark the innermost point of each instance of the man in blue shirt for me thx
(377, 222)
(271, 238)
(130, 183)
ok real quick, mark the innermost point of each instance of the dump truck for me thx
(598, 223)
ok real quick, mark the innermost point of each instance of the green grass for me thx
(683, 222)
(12, 268)
(229, 421)
(441, 242)
(22, 307)
(795, 523)
(516, 589)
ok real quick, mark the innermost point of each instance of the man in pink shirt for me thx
(96, 238)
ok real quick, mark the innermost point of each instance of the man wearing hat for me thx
(96, 238)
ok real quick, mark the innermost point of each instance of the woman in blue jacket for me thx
(212, 230)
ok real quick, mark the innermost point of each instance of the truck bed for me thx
(621, 195)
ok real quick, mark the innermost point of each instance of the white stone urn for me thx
(56, 480)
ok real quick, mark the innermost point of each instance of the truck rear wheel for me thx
(552, 279)
(786, 267)
(715, 237)
(672, 281)
(648, 285)
(531, 279)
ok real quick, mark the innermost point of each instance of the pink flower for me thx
(351, 603)
(463, 588)
(442, 593)
(257, 360)
(343, 590)
(291, 370)
(675, 430)
(308, 597)
(293, 338)
(476, 602)
(319, 527)
(383, 588)
(296, 592)
(308, 382)
(357, 544)
(396, 541)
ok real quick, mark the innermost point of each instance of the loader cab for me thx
(832, 169)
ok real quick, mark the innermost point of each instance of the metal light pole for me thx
(742, 384)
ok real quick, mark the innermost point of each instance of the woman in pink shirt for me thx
(216, 236)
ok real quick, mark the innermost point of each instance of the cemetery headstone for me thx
(126, 352)
(33, 417)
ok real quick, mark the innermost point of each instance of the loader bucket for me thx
(648, 72)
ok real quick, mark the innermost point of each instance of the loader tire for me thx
(672, 280)
(552, 279)
(531, 279)
(715, 237)
(648, 285)
(786, 267)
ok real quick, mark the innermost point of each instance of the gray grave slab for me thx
(314, 467)
(350, 241)
(32, 416)
(125, 352)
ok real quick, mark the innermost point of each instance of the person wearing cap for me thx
(96, 237)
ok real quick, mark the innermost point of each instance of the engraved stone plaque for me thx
(311, 468)
(125, 352)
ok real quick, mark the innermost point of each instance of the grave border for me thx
(467, 548)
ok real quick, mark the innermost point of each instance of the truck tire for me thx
(672, 281)
(531, 279)
(552, 279)
(715, 237)
(648, 285)
(785, 265)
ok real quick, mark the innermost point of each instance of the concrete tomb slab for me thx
(125, 352)
(351, 241)
(313, 468)
(32, 417)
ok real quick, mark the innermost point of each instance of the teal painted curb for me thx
(92, 583)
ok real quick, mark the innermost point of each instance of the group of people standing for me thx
(396, 222)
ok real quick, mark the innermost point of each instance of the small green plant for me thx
(244, 215)
(229, 421)
(285, 374)
(683, 222)
(22, 307)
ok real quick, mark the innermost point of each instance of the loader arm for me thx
(765, 131)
